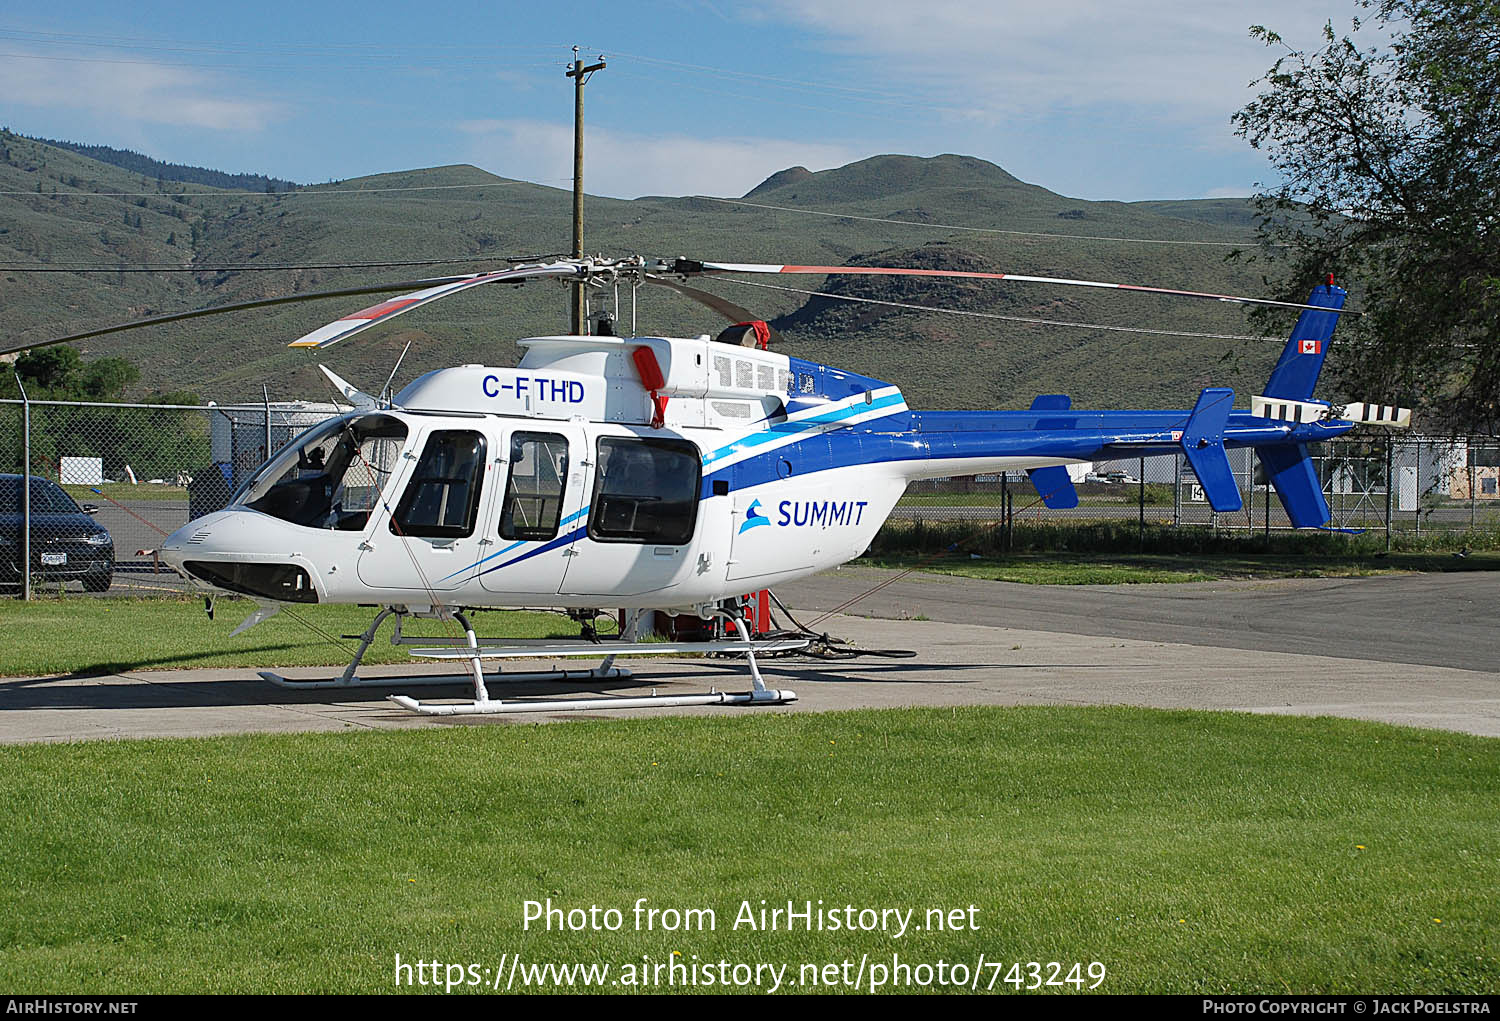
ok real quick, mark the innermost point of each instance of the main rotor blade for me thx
(213, 310)
(349, 325)
(726, 308)
(689, 267)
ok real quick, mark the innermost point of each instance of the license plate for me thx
(54, 559)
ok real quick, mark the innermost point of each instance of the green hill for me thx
(58, 207)
(139, 163)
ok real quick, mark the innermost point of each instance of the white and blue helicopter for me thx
(674, 474)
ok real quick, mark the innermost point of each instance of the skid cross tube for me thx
(484, 705)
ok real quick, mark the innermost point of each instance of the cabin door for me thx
(540, 511)
(428, 536)
(638, 536)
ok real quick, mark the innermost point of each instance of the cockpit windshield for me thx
(331, 476)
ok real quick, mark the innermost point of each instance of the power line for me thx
(276, 267)
(374, 62)
(309, 190)
(978, 230)
(279, 46)
(1028, 320)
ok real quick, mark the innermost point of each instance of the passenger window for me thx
(645, 491)
(534, 494)
(442, 499)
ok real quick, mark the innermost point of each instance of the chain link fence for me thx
(1384, 483)
(108, 482)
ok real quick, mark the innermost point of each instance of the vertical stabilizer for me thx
(1291, 471)
(1296, 372)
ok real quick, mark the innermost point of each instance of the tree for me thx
(49, 367)
(154, 442)
(1389, 154)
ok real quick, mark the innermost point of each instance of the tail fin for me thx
(1291, 471)
(1296, 372)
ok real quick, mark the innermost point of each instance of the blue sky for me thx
(1099, 100)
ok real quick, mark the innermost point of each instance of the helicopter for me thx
(669, 474)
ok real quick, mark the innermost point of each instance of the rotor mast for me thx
(579, 74)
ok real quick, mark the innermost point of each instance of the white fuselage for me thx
(748, 539)
(446, 501)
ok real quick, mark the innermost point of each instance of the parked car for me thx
(67, 544)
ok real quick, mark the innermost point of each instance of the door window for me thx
(645, 491)
(442, 499)
(534, 494)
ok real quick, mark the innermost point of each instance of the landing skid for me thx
(491, 706)
(581, 674)
(469, 650)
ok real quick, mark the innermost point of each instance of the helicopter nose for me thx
(243, 552)
(194, 538)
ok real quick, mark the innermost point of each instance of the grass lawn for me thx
(124, 492)
(1088, 496)
(1186, 851)
(1118, 568)
(93, 636)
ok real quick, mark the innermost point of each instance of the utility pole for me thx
(579, 74)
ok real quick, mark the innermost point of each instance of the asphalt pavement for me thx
(1413, 649)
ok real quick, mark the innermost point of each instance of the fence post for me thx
(1004, 505)
(1473, 484)
(25, 491)
(1418, 512)
(1141, 479)
(1177, 491)
(1390, 484)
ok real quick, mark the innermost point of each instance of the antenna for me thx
(579, 74)
(385, 391)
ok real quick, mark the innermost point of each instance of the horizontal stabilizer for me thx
(1203, 443)
(1054, 486)
(1291, 471)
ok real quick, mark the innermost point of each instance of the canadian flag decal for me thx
(1311, 347)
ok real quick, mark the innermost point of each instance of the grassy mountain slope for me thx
(469, 216)
(139, 163)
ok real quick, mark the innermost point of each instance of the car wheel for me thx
(98, 582)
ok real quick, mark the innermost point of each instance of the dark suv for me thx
(67, 544)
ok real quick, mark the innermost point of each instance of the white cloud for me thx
(130, 90)
(990, 61)
(628, 165)
(1231, 192)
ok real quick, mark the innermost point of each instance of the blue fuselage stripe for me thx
(513, 546)
(946, 435)
(782, 430)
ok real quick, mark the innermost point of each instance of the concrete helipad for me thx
(1417, 650)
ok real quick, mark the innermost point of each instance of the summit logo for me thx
(754, 518)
